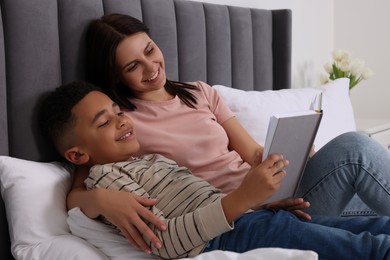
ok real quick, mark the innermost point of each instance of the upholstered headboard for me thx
(42, 46)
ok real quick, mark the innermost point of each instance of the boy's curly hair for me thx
(55, 111)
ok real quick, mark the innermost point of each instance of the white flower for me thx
(357, 66)
(328, 67)
(344, 67)
(340, 55)
(367, 73)
(324, 79)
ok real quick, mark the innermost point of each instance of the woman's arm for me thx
(240, 141)
(125, 210)
(78, 196)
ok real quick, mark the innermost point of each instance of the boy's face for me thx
(102, 130)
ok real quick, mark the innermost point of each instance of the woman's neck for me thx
(157, 95)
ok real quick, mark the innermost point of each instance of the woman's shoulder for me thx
(204, 87)
(205, 93)
(199, 84)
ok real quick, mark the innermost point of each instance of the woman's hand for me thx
(126, 211)
(294, 205)
(129, 212)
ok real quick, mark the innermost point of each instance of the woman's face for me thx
(140, 65)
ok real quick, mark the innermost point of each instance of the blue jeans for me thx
(331, 237)
(349, 165)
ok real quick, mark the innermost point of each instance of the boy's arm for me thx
(186, 234)
(188, 231)
(78, 196)
(258, 185)
(205, 223)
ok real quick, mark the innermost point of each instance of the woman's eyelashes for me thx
(149, 51)
(132, 67)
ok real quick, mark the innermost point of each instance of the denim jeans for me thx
(331, 237)
(350, 165)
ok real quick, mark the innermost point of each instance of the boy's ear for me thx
(76, 156)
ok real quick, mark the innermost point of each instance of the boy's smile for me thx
(102, 131)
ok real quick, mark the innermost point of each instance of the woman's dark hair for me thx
(102, 39)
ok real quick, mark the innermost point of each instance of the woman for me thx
(196, 129)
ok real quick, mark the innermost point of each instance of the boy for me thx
(88, 128)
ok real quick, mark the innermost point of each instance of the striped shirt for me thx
(190, 207)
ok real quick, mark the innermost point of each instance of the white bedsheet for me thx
(259, 254)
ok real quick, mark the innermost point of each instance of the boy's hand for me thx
(258, 185)
(263, 180)
(294, 205)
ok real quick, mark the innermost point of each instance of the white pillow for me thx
(103, 237)
(254, 108)
(34, 195)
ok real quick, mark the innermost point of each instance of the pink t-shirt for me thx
(192, 137)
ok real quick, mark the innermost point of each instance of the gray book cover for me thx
(292, 135)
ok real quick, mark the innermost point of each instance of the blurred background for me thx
(320, 27)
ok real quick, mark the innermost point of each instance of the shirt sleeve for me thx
(187, 235)
(216, 102)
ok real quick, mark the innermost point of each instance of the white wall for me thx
(319, 27)
(363, 27)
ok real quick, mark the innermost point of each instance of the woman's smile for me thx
(154, 77)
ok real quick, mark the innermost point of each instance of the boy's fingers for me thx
(276, 161)
(272, 159)
(278, 168)
(279, 175)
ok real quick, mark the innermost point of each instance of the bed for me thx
(42, 46)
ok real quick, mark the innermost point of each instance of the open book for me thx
(292, 135)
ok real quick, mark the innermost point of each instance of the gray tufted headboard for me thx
(42, 46)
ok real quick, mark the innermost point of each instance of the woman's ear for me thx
(76, 156)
